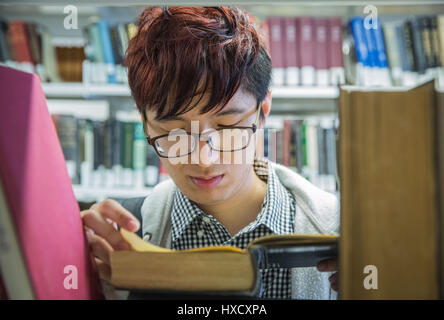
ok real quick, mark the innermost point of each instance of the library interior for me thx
(348, 150)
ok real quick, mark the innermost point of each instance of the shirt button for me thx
(206, 219)
(200, 233)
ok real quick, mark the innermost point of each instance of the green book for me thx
(139, 147)
(127, 145)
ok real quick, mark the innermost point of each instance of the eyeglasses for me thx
(180, 143)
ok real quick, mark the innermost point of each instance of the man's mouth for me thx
(207, 182)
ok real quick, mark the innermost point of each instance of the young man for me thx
(197, 74)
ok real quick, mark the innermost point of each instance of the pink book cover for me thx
(335, 42)
(321, 44)
(276, 42)
(39, 195)
(290, 42)
(306, 41)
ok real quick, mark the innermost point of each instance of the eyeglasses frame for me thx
(151, 141)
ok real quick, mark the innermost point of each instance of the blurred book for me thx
(44, 253)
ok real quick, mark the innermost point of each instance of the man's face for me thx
(230, 175)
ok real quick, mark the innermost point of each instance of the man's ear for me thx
(266, 106)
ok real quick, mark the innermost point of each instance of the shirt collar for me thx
(275, 213)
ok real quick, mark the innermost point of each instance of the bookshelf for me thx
(290, 102)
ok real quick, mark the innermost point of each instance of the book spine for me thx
(321, 51)
(292, 71)
(68, 136)
(306, 50)
(381, 55)
(286, 139)
(20, 46)
(108, 55)
(298, 139)
(434, 41)
(418, 48)
(277, 50)
(426, 31)
(304, 144)
(362, 53)
(393, 53)
(127, 153)
(4, 49)
(139, 154)
(335, 56)
(373, 76)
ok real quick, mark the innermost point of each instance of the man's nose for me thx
(206, 155)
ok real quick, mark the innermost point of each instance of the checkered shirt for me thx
(192, 227)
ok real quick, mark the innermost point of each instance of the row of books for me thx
(114, 153)
(397, 51)
(110, 153)
(105, 51)
(307, 146)
(305, 50)
(29, 47)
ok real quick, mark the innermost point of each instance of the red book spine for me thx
(306, 41)
(286, 140)
(335, 43)
(321, 45)
(291, 51)
(276, 43)
(20, 41)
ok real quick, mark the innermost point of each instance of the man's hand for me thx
(100, 222)
(329, 265)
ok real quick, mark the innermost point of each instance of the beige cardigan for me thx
(316, 213)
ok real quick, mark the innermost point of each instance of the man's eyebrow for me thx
(236, 110)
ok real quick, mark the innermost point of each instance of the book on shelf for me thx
(308, 146)
(305, 50)
(105, 49)
(29, 47)
(396, 51)
(106, 153)
(390, 181)
(44, 253)
(215, 269)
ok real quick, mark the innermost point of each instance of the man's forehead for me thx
(238, 104)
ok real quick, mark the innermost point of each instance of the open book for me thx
(216, 268)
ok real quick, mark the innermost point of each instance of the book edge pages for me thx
(12, 264)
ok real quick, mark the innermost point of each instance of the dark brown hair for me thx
(178, 50)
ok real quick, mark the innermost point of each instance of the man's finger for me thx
(103, 269)
(334, 279)
(328, 265)
(113, 210)
(95, 221)
(100, 248)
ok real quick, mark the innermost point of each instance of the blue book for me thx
(381, 56)
(381, 63)
(371, 46)
(362, 50)
(357, 29)
(107, 50)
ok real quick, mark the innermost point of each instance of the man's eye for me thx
(229, 125)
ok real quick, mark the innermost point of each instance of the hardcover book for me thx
(215, 269)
